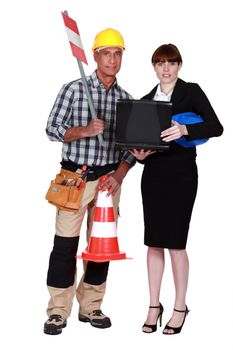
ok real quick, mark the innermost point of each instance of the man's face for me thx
(108, 61)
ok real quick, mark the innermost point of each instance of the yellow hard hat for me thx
(108, 37)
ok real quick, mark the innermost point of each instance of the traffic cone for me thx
(103, 244)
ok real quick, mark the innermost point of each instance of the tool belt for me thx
(66, 191)
(93, 172)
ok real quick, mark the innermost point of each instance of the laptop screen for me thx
(139, 124)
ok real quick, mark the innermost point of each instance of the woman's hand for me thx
(174, 132)
(141, 154)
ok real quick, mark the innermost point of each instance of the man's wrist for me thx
(75, 133)
(123, 169)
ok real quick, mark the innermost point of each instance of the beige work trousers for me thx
(68, 224)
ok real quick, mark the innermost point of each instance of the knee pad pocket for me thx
(96, 273)
(62, 263)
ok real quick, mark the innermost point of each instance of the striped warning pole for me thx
(78, 51)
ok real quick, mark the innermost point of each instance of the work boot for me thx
(96, 318)
(54, 325)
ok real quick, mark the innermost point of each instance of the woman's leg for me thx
(180, 269)
(155, 268)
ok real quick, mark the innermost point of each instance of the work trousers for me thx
(61, 278)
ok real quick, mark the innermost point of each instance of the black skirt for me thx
(169, 187)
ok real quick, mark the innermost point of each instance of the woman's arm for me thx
(201, 106)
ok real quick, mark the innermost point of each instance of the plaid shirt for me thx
(71, 110)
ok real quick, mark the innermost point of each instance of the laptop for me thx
(139, 124)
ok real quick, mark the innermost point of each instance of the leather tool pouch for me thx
(66, 191)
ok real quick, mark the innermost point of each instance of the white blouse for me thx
(161, 96)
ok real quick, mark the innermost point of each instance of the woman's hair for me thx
(166, 52)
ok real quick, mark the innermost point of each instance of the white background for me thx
(35, 62)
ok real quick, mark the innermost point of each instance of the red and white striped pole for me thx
(78, 52)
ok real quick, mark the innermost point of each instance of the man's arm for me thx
(61, 118)
(95, 127)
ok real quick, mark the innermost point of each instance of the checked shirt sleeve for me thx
(59, 118)
(129, 158)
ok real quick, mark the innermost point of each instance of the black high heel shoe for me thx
(177, 330)
(153, 327)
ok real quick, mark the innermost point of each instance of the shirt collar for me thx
(97, 82)
(162, 94)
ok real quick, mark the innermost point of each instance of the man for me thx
(70, 122)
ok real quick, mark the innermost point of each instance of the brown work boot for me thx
(96, 318)
(54, 325)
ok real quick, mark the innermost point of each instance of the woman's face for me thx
(167, 72)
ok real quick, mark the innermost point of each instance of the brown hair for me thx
(166, 52)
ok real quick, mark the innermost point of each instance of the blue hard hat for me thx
(188, 118)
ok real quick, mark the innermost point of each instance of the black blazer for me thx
(189, 97)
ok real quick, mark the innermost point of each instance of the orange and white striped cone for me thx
(103, 245)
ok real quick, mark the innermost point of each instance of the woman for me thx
(170, 177)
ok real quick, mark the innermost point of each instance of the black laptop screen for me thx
(139, 123)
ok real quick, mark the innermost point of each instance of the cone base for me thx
(103, 257)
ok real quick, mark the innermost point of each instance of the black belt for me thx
(95, 172)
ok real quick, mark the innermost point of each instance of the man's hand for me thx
(95, 127)
(114, 180)
(112, 183)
